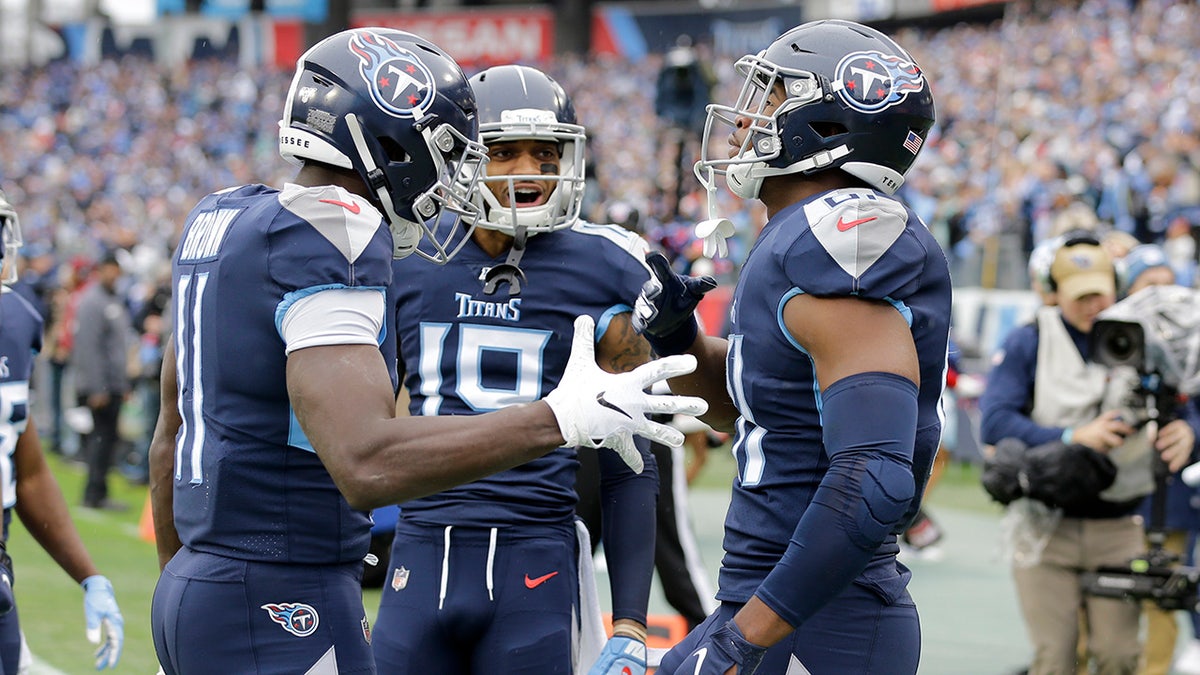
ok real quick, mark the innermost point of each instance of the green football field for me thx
(968, 609)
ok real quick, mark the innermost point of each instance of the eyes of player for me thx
(540, 152)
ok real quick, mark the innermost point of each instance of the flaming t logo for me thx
(874, 81)
(400, 84)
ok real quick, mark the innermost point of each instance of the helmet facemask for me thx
(761, 147)
(10, 239)
(564, 201)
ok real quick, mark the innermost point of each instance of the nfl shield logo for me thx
(399, 579)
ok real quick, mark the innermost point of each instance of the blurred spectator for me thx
(99, 360)
(60, 341)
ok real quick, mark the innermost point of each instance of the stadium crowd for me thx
(1078, 113)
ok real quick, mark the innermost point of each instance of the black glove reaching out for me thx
(665, 311)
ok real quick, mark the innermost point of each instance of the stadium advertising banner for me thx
(480, 38)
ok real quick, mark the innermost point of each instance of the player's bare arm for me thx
(621, 349)
(708, 382)
(343, 399)
(162, 460)
(845, 336)
(43, 510)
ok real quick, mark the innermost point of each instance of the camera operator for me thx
(1043, 389)
(1146, 266)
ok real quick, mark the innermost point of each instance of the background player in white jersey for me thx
(278, 429)
(483, 576)
(833, 368)
(29, 488)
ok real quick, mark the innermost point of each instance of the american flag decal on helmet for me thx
(913, 143)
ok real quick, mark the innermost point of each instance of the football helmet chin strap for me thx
(405, 233)
(510, 270)
(745, 180)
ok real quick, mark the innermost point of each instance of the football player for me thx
(28, 487)
(833, 368)
(278, 429)
(483, 576)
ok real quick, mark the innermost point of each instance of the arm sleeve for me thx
(628, 504)
(861, 499)
(1005, 402)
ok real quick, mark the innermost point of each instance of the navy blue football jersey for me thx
(20, 342)
(461, 348)
(247, 482)
(850, 242)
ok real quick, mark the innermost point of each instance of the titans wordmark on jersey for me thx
(466, 352)
(840, 243)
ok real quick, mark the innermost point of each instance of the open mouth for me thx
(527, 195)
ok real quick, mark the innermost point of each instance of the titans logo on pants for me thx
(400, 84)
(874, 81)
(296, 618)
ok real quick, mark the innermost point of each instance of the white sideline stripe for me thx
(39, 667)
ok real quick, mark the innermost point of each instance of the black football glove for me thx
(665, 311)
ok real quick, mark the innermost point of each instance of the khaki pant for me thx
(1051, 597)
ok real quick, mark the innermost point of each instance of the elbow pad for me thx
(869, 424)
(869, 427)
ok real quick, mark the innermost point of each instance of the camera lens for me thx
(1120, 346)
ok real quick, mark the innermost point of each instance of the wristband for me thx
(633, 632)
(677, 341)
(1067, 435)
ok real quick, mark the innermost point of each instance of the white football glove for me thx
(598, 409)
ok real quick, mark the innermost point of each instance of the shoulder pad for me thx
(856, 226)
(347, 220)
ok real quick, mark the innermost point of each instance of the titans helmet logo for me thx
(399, 82)
(874, 81)
(296, 618)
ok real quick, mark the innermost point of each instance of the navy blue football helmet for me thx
(10, 240)
(398, 110)
(519, 102)
(845, 97)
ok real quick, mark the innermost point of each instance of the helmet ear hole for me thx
(393, 150)
(828, 129)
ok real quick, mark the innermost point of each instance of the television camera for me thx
(1157, 332)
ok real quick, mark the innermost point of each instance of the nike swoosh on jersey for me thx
(355, 208)
(534, 583)
(843, 225)
(602, 401)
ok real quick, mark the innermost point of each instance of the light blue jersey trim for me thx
(787, 334)
(607, 317)
(905, 310)
(296, 436)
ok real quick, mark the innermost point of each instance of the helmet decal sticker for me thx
(872, 81)
(400, 84)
